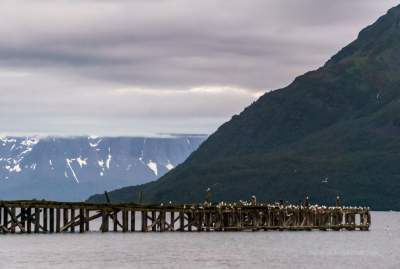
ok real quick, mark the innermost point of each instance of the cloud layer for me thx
(134, 67)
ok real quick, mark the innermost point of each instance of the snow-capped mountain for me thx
(73, 168)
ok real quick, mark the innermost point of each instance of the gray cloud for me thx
(61, 64)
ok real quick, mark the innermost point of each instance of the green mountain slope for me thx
(333, 131)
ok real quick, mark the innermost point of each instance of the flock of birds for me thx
(276, 205)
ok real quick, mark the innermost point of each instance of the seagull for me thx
(325, 180)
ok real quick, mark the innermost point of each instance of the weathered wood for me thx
(200, 217)
(153, 221)
(114, 216)
(44, 219)
(58, 220)
(87, 220)
(13, 220)
(190, 221)
(124, 221)
(71, 224)
(172, 221)
(104, 221)
(28, 220)
(72, 219)
(51, 216)
(65, 217)
(5, 218)
(81, 220)
(144, 221)
(162, 221)
(37, 220)
(23, 218)
(181, 221)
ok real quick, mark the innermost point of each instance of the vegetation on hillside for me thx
(333, 131)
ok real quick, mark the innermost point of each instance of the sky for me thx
(145, 67)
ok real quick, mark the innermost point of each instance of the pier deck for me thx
(55, 217)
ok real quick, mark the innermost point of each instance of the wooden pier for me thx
(58, 217)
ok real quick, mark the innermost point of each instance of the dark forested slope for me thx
(335, 130)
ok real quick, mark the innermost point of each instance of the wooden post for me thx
(51, 220)
(224, 221)
(172, 221)
(5, 217)
(199, 221)
(190, 220)
(58, 220)
(181, 221)
(73, 220)
(162, 220)
(115, 219)
(81, 220)
(87, 221)
(206, 221)
(28, 220)
(144, 221)
(13, 220)
(124, 220)
(45, 220)
(153, 221)
(104, 221)
(239, 219)
(23, 218)
(65, 217)
(37, 219)
(133, 227)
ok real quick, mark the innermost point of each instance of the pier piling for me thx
(45, 217)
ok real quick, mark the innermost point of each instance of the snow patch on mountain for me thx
(95, 143)
(73, 168)
(170, 166)
(69, 162)
(81, 162)
(109, 157)
(153, 166)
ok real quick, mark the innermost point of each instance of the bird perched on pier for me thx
(307, 202)
(253, 200)
(338, 202)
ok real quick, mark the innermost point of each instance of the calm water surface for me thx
(378, 248)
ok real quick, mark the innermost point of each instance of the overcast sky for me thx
(148, 66)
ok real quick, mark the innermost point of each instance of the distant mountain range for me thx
(72, 168)
(333, 131)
